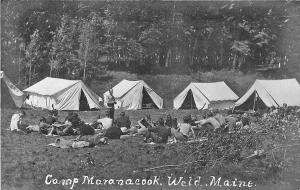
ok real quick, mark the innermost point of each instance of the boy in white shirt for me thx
(16, 120)
(106, 122)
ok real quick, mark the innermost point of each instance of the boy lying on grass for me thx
(141, 129)
(218, 122)
(81, 141)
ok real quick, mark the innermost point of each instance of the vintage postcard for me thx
(150, 95)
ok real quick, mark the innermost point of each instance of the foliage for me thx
(83, 39)
(232, 154)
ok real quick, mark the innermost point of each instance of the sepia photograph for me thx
(150, 95)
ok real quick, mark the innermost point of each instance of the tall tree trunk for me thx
(30, 65)
(33, 73)
(235, 58)
(221, 54)
(215, 59)
(260, 58)
(19, 66)
(85, 60)
(174, 7)
(168, 58)
(51, 67)
(194, 48)
(156, 58)
(241, 62)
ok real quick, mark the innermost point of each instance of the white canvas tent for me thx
(216, 95)
(270, 93)
(16, 94)
(134, 95)
(62, 94)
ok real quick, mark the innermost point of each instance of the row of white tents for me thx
(63, 94)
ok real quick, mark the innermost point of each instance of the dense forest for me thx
(84, 39)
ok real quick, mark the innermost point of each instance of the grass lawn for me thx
(27, 159)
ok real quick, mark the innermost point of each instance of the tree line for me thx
(83, 39)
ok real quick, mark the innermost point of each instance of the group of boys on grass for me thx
(110, 128)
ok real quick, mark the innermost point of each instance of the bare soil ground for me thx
(27, 159)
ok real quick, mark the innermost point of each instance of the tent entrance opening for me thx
(189, 102)
(147, 102)
(254, 103)
(83, 103)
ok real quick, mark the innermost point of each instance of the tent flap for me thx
(16, 94)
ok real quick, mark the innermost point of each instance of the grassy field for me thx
(27, 159)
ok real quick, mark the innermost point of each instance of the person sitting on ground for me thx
(148, 121)
(85, 129)
(105, 122)
(113, 132)
(42, 127)
(69, 116)
(221, 119)
(123, 121)
(168, 122)
(244, 124)
(52, 117)
(210, 123)
(16, 123)
(63, 130)
(230, 123)
(273, 110)
(193, 120)
(138, 129)
(283, 111)
(141, 129)
(81, 127)
(184, 130)
(158, 134)
(73, 126)
(143, 126)
(70, 127)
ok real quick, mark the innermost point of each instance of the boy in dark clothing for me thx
(44, 127)
(147, 121)
(160, 133)
(123, 121)
(80, 126)
(74, 119)
(86, 129)
(113, 132)
(168, 122)
(52, 117)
